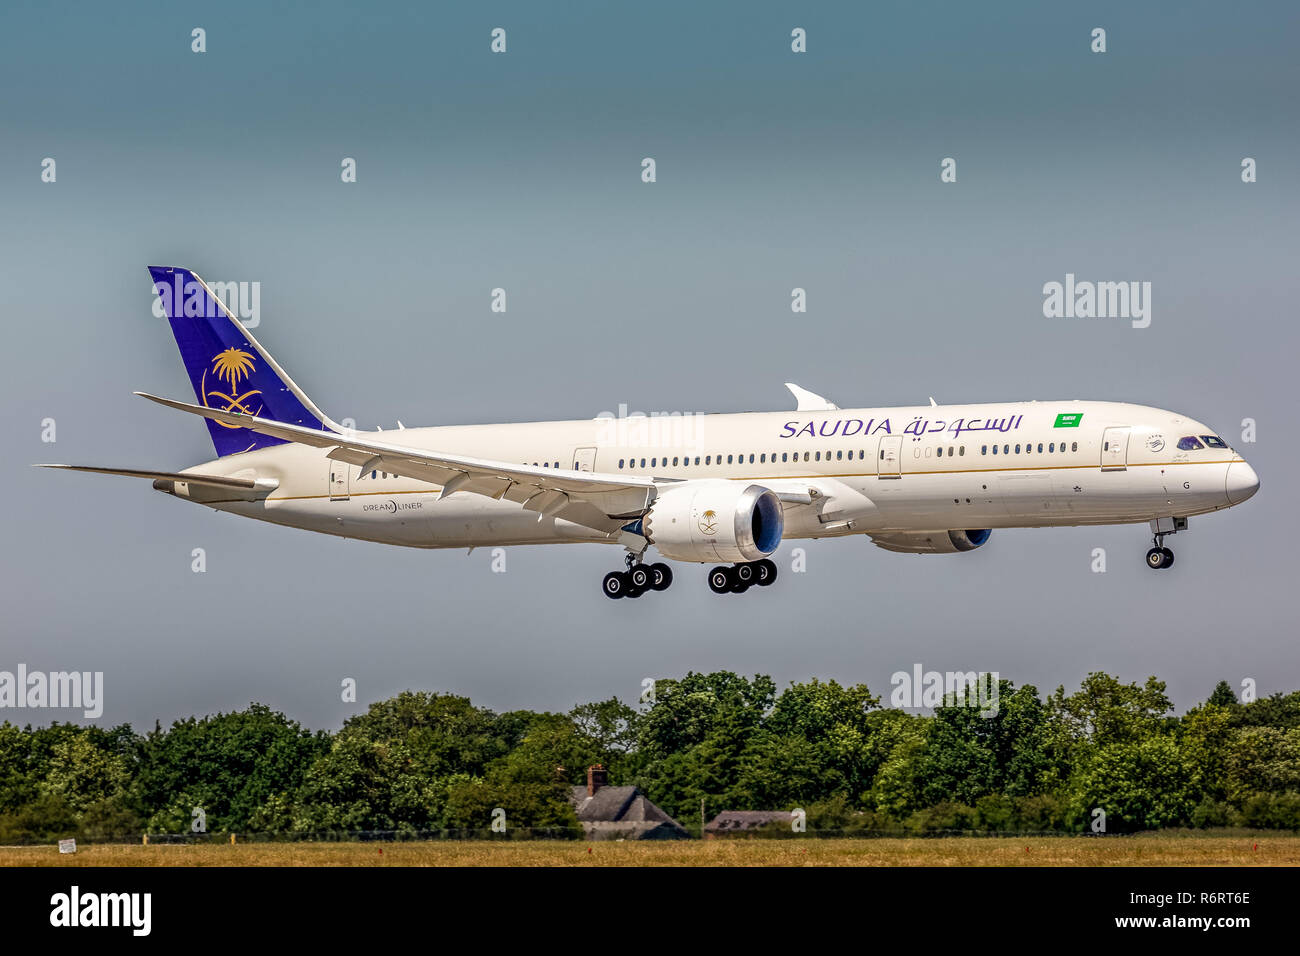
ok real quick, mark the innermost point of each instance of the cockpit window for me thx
(1214, 441)
(1189, 443)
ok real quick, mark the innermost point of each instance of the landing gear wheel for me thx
(1169, 557)
(615, 584)
(639, 577)
(1156, 558)
(720, 580)
(766, 572)
(661, 576)
(744, 575)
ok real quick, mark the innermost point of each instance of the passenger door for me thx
(889, 459)
(584, 459)
(1114, 449)
(339, 471)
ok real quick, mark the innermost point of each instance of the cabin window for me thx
(995, 449)
(805, 456)
(1074, 446)
(940, 451)
(839, 455)
(961, 450)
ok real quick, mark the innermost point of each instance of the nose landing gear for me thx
(1159, 557)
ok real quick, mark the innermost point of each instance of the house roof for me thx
(617, 804)
(747, 819)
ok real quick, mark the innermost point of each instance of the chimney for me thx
(597, 777)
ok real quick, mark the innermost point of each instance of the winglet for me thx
(809, 401)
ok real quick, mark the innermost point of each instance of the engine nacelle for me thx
(932, 542)
(715, 521)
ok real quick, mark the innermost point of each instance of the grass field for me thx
(1142, 850)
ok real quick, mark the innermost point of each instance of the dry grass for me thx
(1142, 850)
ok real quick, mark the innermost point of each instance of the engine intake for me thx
(715, 521)
(932, 542)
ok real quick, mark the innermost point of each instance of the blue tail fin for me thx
(227, 367)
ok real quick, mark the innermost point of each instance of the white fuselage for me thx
(888, 470)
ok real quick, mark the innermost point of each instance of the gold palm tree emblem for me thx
(232, 365)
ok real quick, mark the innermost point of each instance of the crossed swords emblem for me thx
(232, 365)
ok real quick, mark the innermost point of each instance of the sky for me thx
(522, 170)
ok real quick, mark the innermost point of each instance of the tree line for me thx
(425, 761)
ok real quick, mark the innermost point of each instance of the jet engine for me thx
(715, 521)
(931, 542)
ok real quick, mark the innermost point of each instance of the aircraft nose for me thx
(1242, 482)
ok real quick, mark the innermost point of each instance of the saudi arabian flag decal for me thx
(1068, 420)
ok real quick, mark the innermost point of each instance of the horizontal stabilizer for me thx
(215, 481)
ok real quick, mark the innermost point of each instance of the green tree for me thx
(974, 751)
(1222, 696)
(227, 764)
(1140, 785)
(1261, 760)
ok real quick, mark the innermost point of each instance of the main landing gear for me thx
(738, 578)
(637, 579)
(1159, 557)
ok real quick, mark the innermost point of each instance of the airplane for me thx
(718, 488)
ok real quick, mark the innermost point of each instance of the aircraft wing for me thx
(604, 502)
